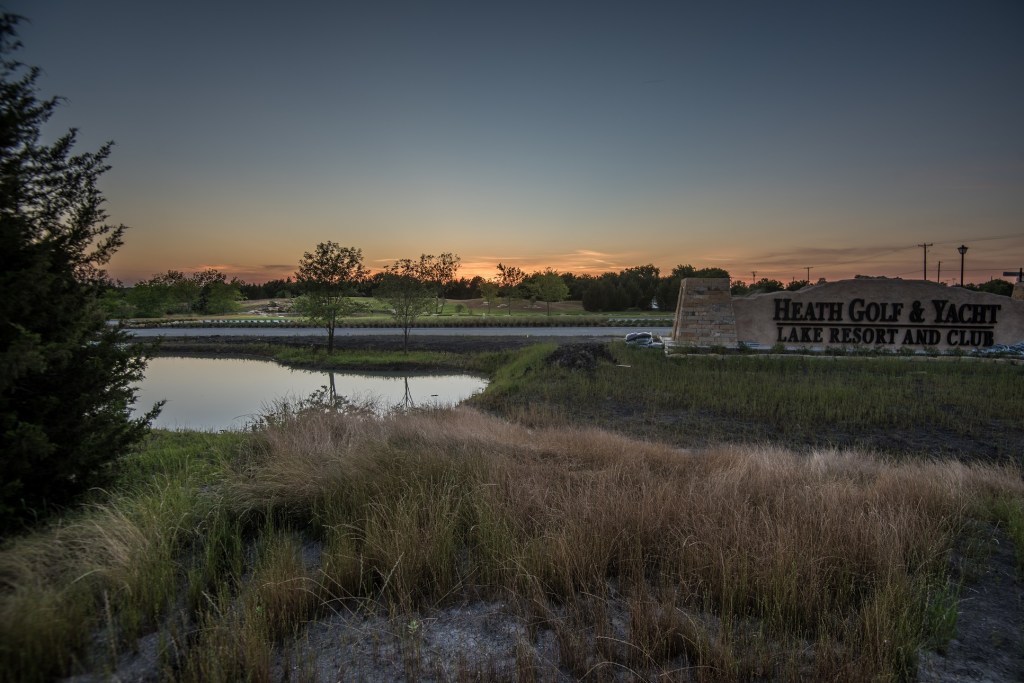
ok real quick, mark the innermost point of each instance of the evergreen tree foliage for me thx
(66, 377)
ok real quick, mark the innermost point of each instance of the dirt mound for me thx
(579, 356)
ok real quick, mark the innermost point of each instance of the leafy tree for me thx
(739, 288)
(406, 295)
(181, 291)
(219, 297)
(994, 286)
(210, 292)
(271, 289)
(66, 377)
(464, 288)
(765, 285)
(207, 291)
(439, 271)
(797, 285)
(605, 294)
(329, 275)
(668, 293)
(682, 271)
(578, 284)
(641, 285)
(595, 298)
(489, 292)
(114, 303)
(509, 279)
(549, 287)
(149, 299)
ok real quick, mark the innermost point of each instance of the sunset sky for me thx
(585, 136)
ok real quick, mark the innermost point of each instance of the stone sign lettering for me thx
(836, 323)
(886, 313)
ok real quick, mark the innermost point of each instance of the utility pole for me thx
(938, 273)
(925, 247)
(808, 273)
(753, 276)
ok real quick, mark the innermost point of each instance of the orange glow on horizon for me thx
(784, 266)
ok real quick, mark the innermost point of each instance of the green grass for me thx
(112, 566)
(892, 405)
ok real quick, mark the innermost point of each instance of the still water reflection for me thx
(228, 393)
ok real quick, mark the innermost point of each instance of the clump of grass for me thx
(227, 645)
(112, 566)
(281, 594)
(43, 630)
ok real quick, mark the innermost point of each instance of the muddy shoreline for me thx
(228, 344)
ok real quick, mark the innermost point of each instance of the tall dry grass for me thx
(637, 558)
(839, 553)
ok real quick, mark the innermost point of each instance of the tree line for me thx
(211, 292)
(206, 292)
(637, 288)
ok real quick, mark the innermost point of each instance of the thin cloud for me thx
(253, 273)
(581, 261)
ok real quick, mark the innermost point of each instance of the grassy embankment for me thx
(609, 554)
(897, 405)
(343, 359)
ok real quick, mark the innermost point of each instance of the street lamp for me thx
(963, 250)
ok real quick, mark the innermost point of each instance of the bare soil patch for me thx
(989, 642)
(580, 356)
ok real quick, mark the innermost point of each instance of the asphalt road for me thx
(596, 332)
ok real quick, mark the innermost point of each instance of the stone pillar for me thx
(704, 315)
(1018, 292)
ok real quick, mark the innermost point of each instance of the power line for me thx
(982, 239)
(885, 251)
(925, 248)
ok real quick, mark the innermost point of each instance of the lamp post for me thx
(963, 250)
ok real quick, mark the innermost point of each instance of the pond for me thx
(230, 393)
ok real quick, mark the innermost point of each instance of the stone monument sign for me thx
(860, 313)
